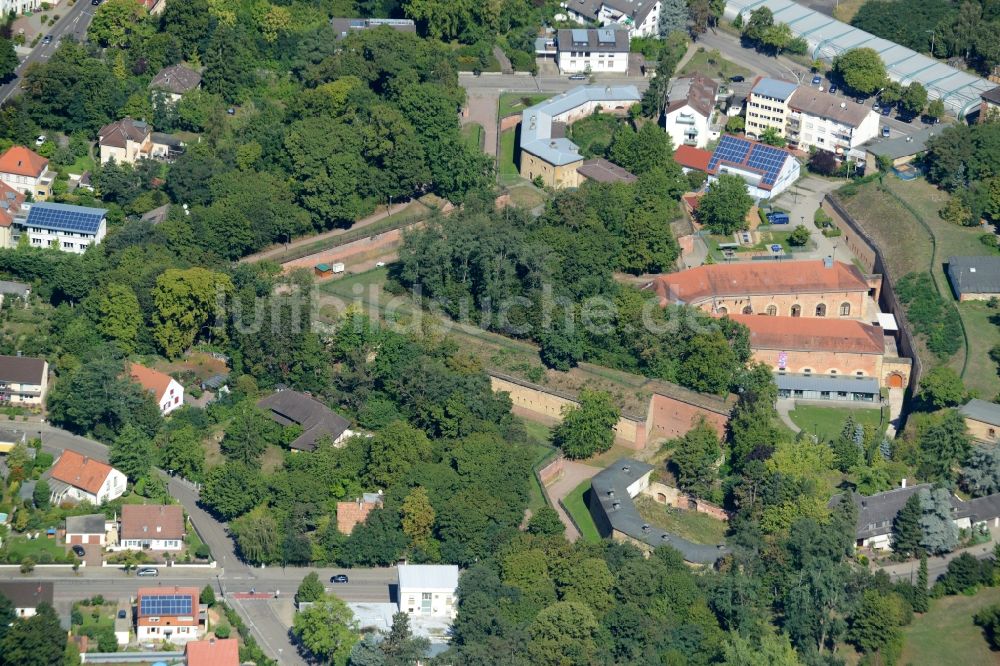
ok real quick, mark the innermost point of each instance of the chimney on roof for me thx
(615, 506)
(211, 641)
(86, 459)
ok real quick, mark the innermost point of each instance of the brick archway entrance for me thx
(895, 380)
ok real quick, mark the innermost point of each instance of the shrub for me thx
(990, 241)
(833, 232)
(76, 617)
(202, 552)
(822, 219)
(223, 631)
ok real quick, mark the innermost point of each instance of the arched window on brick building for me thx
(821, 310)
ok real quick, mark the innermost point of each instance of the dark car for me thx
(121, 614)
(833, 89)
(817, 79)
(339, 578)
(95, 2)
(47, 39)
(578, 77)
(886, 110)
(885, 130)
(737, 79)
(79, 551)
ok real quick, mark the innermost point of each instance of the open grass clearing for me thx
(472, 134)
(690, 525)
(981, 372)
(516, 102)
(946, 634)
(846, 9)
(827, 422)
(593, 133)
(526, 195)
(508, 153)
(712, 65)
(575, 504)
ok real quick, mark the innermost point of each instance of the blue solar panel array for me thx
(64, 217)
(166, 604)
(768, 160)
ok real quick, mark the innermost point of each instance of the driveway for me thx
(802, 200)
(574, 473)
(482, 109)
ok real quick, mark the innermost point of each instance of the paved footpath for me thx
(574, 474)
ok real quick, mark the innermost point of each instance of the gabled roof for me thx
(992, 96)
(974, 275)
(288, 407)
(697, 92)
(833, 384)
(22, 161)
(599, 40)
(176, 79)
(344, 26)
(22, 370)
(167, 602)
(80, 471)
(428, 576)
(774, 88)
(876, 512)
(904, 146)
(152, 521)
(213, 652)
(692, 157)
(980, 410)
(812, 334)
(27, 595)
(755, 278)
(752, 156)
(10, 203)
(120, 132)
(349, 514)
(92, 523)
(154, 381)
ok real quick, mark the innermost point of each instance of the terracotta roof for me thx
(693, 158)
(772, 277)
(177, 79)
(153, 381)
(692, 201)
(812, 334)
(80, 471)
(350, 514)
(10, 203)
(22, 370)
(213, 652)
(696, 91)
(152, 521)
(146, 617)
(119, 133)
(22, 162)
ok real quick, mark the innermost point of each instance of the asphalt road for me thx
(73, 24)
(782, 68)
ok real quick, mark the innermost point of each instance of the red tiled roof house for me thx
(78, 478)
(167, 391)
(152, 527)
(168, 614)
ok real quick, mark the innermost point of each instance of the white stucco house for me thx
(597, 51)
(428, 589)
(767, 170)
(64, 227)
(690, 104)
(640, 17)
(152, 527)
(167, 391)
(79, 478)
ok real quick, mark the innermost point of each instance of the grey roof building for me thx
(903, 146)
(634, 11)
(157, 215)
(18, 289)
(980, 410)
(974, 277)
(603, 171)
(22, 370)
(25, 596)
(537, 121)
(176, 79)
(316, 419)
(345, 26)
(92, 523)
(612, 491)
(774, 89)
(827, 38)
(594, 40)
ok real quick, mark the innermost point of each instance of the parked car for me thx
(833, 88)
(40, 140)
(885, 110)
(79, 551)
(47, 39)
(817, 79)
(339, 578)
(148, 571)
(95, 2)
(122, 614)
(875, 106)
(738, 78)
(778, 217)
(885, 130)
(578, 77)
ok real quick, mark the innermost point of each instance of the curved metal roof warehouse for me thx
(828, 37)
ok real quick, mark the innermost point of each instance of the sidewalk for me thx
(938, 565)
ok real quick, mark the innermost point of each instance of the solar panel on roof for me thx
(730, 149)
(63, 217)
(166, 604)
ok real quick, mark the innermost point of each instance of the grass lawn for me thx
(768, 237)
(526, 195)
(508, 148)
(576, 505)
(19, 547)
(593, 133)
(712, 65)
(828, 421)
(981, 372)
(691, 525)
(511, 103)
(538, 445)
(472, 134)
(846, 9)
(946, 634)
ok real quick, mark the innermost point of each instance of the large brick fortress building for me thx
(816, 323)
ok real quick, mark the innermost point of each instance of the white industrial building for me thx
(428, 589)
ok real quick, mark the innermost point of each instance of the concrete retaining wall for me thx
(674, 497)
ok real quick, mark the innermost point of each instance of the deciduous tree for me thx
(588, 428)
(132, 453)
(187, 302)
(861, 70)
(695, 456)
(327, 630)
(724, 208)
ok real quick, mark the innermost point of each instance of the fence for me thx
(888, 301)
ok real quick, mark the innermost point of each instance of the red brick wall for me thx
(552, 471)
(669, 418)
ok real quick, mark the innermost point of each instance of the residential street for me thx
(74, 24)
